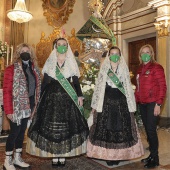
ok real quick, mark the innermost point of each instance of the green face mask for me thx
(61, 49)
(114, 58)
(145, 57)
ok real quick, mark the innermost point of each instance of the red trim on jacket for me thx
(8, 89)
(151, 84)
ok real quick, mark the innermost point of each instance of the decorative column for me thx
(113, 11)
(163, 44)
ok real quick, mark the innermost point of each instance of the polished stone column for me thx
(163, 44)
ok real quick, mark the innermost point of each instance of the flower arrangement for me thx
(87, 84)
(3, 49)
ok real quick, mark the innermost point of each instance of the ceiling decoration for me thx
(57, 12)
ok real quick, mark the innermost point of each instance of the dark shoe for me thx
(111, 163)
(5, 132)
(55, 164)
(146, 160)
(62, 163)
(151, 164)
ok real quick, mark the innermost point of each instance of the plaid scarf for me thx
(21, 102)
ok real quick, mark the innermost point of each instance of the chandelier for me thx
(19, 13)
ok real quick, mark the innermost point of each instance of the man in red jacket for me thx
(150, 93)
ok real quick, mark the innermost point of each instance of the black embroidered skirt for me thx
(58, 126)
(114, 127)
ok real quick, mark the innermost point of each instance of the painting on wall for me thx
(57, 11)
(57, 3)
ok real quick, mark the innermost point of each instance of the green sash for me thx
(116, 81)
(106, 29)
(68, 88)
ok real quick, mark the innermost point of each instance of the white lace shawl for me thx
(123, 75)
(70, 67)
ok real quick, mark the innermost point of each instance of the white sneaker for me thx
(18, 160)
(8, 164)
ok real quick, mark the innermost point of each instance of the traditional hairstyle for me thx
(115, 47)
(57, 39)
(18, 52)
(151, 50)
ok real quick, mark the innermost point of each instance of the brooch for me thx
(111, 74)
(147, 72)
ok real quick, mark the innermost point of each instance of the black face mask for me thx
(25, 56)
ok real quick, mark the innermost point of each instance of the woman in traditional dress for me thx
(114, 135)
(59, 128)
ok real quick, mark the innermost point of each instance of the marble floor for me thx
(164, 154)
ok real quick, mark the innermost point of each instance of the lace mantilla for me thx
(70, 67)
(123, 75)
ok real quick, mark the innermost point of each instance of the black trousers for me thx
(16, 135)
(150, 123)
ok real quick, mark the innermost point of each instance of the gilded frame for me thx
(57, 11)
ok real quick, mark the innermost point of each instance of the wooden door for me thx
(134, 48)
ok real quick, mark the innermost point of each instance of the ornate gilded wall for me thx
(39, 23)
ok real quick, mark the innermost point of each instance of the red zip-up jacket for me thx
(151, 84)
(8, 89)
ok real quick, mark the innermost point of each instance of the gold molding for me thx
(45, 46)
(75, 44)
(57, 13)
(2, 63)
(162, 32)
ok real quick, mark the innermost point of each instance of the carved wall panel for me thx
(45, 46)
(57, 11)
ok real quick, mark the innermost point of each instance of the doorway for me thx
(133, 48)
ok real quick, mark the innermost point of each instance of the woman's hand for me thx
(157, 110)
(10, 116)
(80, 101)
(93, 111)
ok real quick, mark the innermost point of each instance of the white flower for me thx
(133, 87)
(86, 88)
(88, 82)
(92, 86)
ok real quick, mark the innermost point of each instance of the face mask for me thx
(25, 56)
(145, 57)
(61, 49)
(115, 58)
